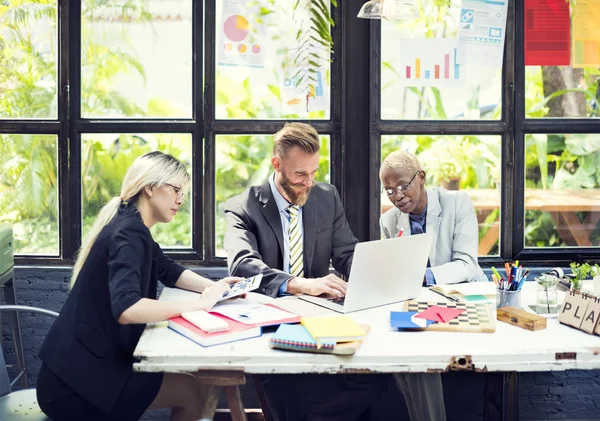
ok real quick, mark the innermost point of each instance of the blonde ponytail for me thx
(107, 213)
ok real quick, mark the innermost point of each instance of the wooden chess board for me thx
(477, 318)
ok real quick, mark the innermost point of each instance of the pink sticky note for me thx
(440, 314)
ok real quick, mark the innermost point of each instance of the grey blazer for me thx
(452, 223)
(254, 236)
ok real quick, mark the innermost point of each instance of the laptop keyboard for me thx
(339, 300)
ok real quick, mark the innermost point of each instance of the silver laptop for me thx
(383, 272)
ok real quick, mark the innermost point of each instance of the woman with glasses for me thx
(87, 371)
(450, 218)
(448, 215)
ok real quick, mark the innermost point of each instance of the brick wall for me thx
(548, 395)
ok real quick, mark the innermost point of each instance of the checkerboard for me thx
(478, 317)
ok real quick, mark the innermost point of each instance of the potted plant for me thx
(581, 271)
(446, 161)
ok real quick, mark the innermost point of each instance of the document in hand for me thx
(237, 331)
(333, 329)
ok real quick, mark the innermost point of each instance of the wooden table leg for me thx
(577, 228)
(489, 239)
(229, 380)
(260, 392)
(234, 401)
(510, 396)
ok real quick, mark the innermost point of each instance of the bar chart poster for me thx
(428, 62)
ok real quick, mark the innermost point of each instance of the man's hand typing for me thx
(330, 285)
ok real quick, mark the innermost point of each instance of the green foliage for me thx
(104, 163)
(28, 163)
(581, 271)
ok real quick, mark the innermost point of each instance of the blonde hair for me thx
(400, 160)
(296, 135)
(153, 169)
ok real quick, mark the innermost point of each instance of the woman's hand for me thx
(211, 294)
(232, 280)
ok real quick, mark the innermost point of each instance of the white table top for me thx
(508, 349)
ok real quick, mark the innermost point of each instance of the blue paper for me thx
(402, 320)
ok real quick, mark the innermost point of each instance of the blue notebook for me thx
(401, 320)
(297, 338)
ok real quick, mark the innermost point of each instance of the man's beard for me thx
(296, 198)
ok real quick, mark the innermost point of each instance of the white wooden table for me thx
(509, 350)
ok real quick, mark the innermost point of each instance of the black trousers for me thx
(319, 397)
(61, 403)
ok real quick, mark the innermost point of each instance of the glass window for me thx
(562, 194)
(104, 162)
(28, 56)
(244, 161)
(270, 62)
(421, 74)
(136, 59)
(29, 191)
(570, 89)
(470, 163)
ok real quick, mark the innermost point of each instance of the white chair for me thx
(18, 405)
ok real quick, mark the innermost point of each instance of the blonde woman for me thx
(87, 359)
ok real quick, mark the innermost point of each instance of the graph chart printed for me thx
(241, 39)
(426, 62)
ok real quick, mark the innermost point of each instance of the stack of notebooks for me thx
(333, 335)
(245, 321)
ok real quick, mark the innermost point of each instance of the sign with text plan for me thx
(428, 62)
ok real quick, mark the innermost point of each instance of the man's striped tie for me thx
(296, 254)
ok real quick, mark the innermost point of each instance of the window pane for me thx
(470, 163)
(28, 53)
(570, 90)
(261, 72)
(419, 79)
(104, 162)
(29, 191)
(136, 59)
(244, 161)
(562, 194)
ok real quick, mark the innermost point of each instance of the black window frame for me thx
(355, 128)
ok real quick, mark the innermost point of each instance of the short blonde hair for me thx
(400, 160)
(296, 135)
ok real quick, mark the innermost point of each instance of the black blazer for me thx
(254, 236)
(86, 347)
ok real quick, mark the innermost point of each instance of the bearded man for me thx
(290, 228)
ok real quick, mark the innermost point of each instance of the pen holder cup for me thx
(508, 298)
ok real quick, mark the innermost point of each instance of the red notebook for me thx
(237, 331)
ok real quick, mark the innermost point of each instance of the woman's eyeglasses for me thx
(178, 191)
(401, 188)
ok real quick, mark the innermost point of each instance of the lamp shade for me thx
(388, 9)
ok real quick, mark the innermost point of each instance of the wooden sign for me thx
(581, 311)
(592, 315)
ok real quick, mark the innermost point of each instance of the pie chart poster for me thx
(242, 38)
